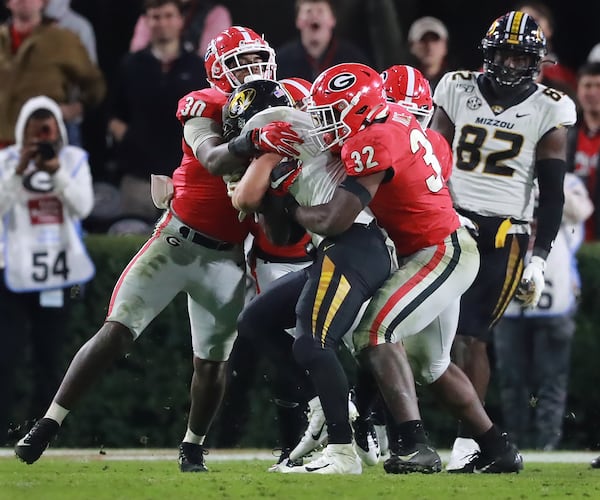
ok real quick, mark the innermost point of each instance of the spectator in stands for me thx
(317, 47)
(533, 346)
(428, 42)
(39, 58)
(583, 153)
(141, 104)
(554, 73)
(67, 18)
(203, 20)
(45, 190)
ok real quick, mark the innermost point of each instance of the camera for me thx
(46, 150)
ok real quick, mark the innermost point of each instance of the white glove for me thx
(532, 283)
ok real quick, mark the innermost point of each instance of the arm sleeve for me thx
(551, 174)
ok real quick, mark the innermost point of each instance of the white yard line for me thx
(243, 454)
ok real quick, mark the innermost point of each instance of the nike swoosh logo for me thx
(406, 458)
(521, 116)
(317, 435)
(327, 247)
(278, 182)
(312, 469)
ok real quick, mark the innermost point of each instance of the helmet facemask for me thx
(330, 129)
(505, 75)
(334, 123)
(257, 70)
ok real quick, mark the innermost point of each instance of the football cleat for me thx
(382, 439)
(462, 453)
(316, 435)
(316, 432)
(422, 459)
(191, 457)
(365, 441)
(284, 462)
(595, 463)
(31, 447)
(336, 459)
(510, 460)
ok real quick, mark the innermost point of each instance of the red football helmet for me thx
(299, 89)
(222, 59)
(344, 99)
(408, 87)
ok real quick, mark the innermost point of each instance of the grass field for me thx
(79, 475)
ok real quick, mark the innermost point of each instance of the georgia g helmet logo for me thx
(341, 82)
(241, 102)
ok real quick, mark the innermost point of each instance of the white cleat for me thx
(462, 453)
(315, 434)
(336, 459)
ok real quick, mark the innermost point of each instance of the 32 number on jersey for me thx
(363, 159)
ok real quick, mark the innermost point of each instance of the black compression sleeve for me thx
(551, 174)
(357, 189)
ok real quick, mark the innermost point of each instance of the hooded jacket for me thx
(68, 191)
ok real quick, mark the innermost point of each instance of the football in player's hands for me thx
(283, 176)
(532, 283)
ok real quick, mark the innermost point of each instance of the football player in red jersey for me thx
(196, 248)
(392, 164)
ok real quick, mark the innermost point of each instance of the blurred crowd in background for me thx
(117, 70)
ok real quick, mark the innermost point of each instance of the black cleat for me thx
(31, 447)
(595, 463)
(365, 441)
(191, 457)
(422, 459)
(510, 460)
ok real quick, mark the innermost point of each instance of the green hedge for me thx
(144, 400)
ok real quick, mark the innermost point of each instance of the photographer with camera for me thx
(45, 192)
